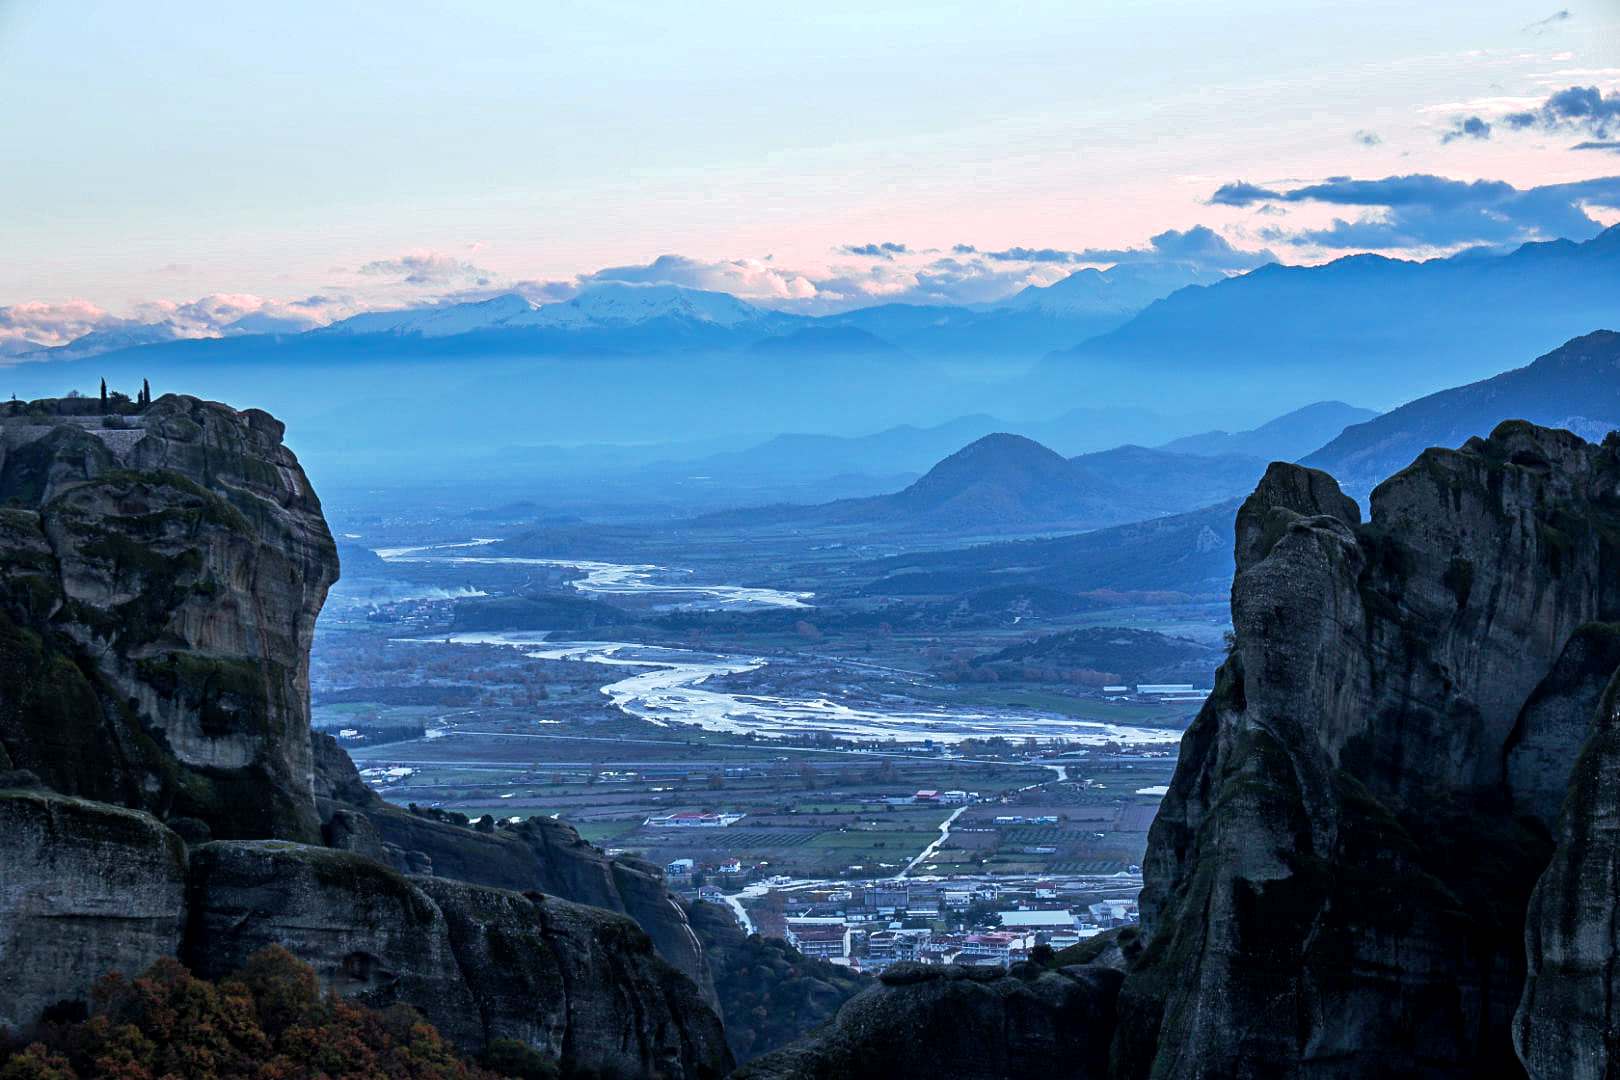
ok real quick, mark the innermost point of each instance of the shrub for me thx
(268, 1021)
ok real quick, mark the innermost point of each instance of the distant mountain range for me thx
(912, 449)
(606, 306)
(1286, 438)
(1009, 483)
(1001, 480)
(1121, 291)
(658, 364)
(617, 315)
(1576, 386)
(1363, 323)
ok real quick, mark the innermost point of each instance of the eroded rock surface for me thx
(159, 586)
(1336, 883)
(578, 983)
(1568, 1026)
(85, 889)
(537, 855)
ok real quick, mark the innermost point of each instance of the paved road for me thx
(944, 835)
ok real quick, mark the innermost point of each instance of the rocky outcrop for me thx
(964, 1023)
(85, 888)
(769, 993)
(581, 985)
(160, 575)
(578, 982)
(1337, 881)
(535, 855)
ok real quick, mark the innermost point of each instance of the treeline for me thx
(109, 403)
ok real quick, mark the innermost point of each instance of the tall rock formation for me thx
(1336, 883)
(158, 595)
(161, 571)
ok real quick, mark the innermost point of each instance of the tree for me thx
(146, 392)
(103, 395)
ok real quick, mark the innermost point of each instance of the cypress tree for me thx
(103, 395)
(146, 392)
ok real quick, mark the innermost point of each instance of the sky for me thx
(291, 163)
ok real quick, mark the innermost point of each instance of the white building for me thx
(1061, 919)
(692, 819)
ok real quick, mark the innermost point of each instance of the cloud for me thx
(1241, 193)
(50, 323)
(751, 279)
(1576, 108)
(1032, 255)
(1425, 211)
(886, 250)
(1600, 144)
(959, 278)
(428, 268)
(1198, 245)
(1467, 127)
(1367, 138)
(215, 315)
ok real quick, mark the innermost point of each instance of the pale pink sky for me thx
(155, 157)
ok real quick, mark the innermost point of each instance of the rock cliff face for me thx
(575, 982)
(539, 854)
(1567, 1027)
(85, 888)
(160, 792)
(1336, 884)
(964, 1023)
(158, 597)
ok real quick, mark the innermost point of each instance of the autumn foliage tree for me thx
(269, 1021)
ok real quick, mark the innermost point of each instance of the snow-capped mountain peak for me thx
(611, 304)
(621, 304)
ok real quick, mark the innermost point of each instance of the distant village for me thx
(976, 922)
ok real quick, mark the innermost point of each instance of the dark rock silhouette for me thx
(161, 794)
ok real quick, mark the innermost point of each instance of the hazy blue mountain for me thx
(1286, 438)
(915, 449)
(1357, 326)
(1119, 291)
(1163, 482)
(1006, 483)
(905, 448)
(1017, 333)
(1576, 386)
(1184, 553)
